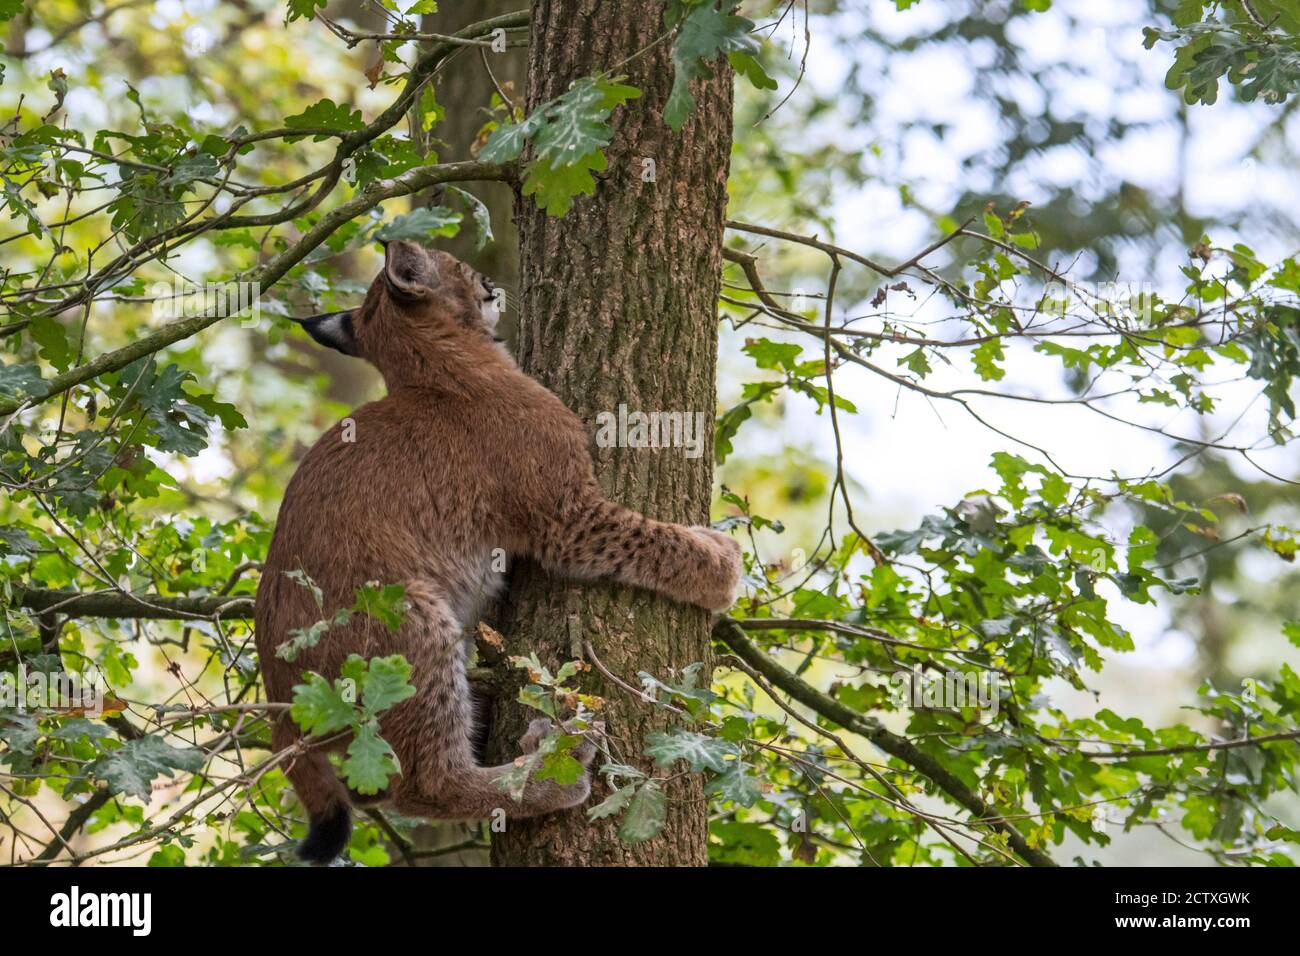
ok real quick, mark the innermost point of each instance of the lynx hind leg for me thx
(433, 732)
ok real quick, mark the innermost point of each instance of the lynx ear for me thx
(333, 329)
(409, 271)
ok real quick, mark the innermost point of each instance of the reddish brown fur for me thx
(465, 454)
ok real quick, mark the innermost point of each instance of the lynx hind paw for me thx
(575, 794)
(721, 584)
(537, 729)
(585, 752)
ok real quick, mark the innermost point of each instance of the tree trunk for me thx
(619, 301)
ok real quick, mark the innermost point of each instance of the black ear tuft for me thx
(334, 329)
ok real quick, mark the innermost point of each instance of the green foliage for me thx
(705, 31)
(132, 768)
(352, 704)
(568, 136)
(387, 604)
(645, 814)
(551, 694)
(1260, 59)
(333, 116)
(421, 225)
(299, 9)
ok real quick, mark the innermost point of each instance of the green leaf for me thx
(568, 135)
(303, 9)
(477, 209)
(559, 767)
(421, 224)
(615, 803)
(538, 698)
(178, 424)
(987, 357)
(773, 355)
(736, 784)
(752, 70)
(645, 814)
(191, 169)
(320, 708)
(386, 682)
(698, 750)
(577, 122)
(15, 540)
(554, 188)
(20, 380)
(387, 604)
(303, 579)
(917, 363)
(50, 335)
(744, 843)
(370, 761)
(132, 768)
(325, 114)
(304, 638)
(506, 143)
(704, 34)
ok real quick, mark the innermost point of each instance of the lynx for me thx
(465, 458)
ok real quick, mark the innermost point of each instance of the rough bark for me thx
(619, 302)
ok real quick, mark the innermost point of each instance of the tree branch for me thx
(121, 605)
(412, 181)
(75, 821)
(729, 633)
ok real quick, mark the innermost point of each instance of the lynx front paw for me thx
(721, 578)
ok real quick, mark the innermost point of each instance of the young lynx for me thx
(465, 455)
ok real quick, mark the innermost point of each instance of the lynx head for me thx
(422, 301)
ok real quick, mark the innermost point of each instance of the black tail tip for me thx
(327, 835)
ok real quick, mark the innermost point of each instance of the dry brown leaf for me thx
(490, 636)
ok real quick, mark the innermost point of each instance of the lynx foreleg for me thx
(693, 564)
